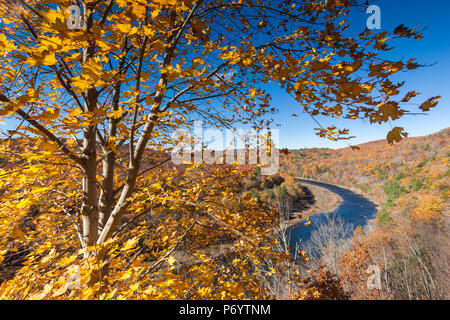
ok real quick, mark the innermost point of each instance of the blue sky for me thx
(430, 81)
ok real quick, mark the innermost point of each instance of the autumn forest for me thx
(105, 195)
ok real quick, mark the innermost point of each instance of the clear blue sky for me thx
(431, 81)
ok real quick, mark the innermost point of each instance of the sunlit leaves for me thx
(5, 44)
(430, 103)
(45, 58)
(410, 95)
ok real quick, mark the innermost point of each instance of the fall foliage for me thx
(88, 192)
(409, 240)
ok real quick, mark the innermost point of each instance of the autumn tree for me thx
(98, 86)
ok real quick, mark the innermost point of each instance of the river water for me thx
(355, 210)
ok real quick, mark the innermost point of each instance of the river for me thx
(355, 210)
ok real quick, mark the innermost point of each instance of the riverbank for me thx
(351, 188)
(324, 201)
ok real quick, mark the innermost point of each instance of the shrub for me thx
(415, 184)
(383, 217)
(393, 190)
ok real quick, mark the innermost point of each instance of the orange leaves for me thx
(430, 103)
(349, 68)
(411, 65)
(396, 134)
(303, 256)
(409, 95)
(404, 31)
(388, 110)
(428, 208)
(333, 134)
(318, 65)
(199, 29)
(18, 234)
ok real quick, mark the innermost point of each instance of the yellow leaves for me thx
(44, 58)
(49, 114)
(155, 13)
(5, 44)
(50, 146)
(253, 92)
(157, 186)
(303, 256)
(116, 113)
(121, 249)
(204, 292)
(92, 69)
(198, 60)
(47, 289)
(168, 2)
(333, 134)
(126, 275)
(149, 31)
(131, 243)
(171, 260)
(11, 106)
(136, 11)
(158, 46)
(247, 61)
(396, 134)
(81, 84)
(40, 189)
(75, 113)
(51, 43)
(126, 28)
(67, 261)
(171, 72)
(24, 203)
(92, 75)
(231, 56)
(74, 57)
(429, 207)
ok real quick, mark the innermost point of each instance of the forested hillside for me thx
(409, 239)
